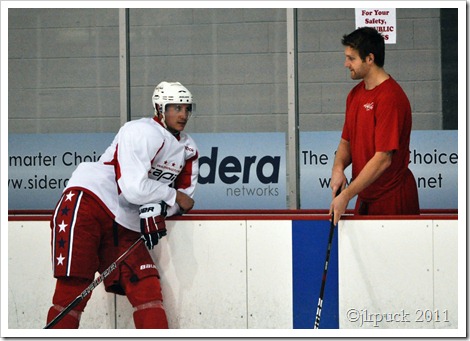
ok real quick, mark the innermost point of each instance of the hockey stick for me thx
(325, 269)
(93, 285)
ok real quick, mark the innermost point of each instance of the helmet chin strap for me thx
(161, 117)
(163, 121)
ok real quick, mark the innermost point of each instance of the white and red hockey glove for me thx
(152, 223)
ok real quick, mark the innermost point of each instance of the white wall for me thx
(215, 274)
(398, 274)
(220, 274)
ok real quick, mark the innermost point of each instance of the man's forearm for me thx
(342, 157)
(370, 173)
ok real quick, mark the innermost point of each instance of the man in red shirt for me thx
(376, 136)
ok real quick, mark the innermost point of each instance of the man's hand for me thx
(338, 205)
(338, 182)
(184, 201)
(152, 223)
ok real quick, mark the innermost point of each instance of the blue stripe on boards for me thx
(309, 245)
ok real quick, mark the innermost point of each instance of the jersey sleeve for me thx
(390, 115)
(187, 179)
(137, 145)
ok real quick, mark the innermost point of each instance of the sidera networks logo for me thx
(251, 175)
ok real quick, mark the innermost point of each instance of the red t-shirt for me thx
(378, 120)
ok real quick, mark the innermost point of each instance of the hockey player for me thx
(149, 172)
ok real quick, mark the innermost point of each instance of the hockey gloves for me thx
(152, 223)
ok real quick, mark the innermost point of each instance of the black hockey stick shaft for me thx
(325, 270)
(93, 285)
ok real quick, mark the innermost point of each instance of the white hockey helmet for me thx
(170, 93)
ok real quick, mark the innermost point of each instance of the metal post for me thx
(293, 173)
(124, 66)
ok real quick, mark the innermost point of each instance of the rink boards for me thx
(265, 272)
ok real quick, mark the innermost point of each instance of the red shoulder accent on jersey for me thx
(156, 119)
(117, 169)
(184, 177)
(158, 151)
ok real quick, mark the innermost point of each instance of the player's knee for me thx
(146, 298)
(157, 304)
(70, 321)
(145, 293)
(150, 315)
(67, 289)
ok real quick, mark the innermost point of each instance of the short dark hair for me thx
(367, 40)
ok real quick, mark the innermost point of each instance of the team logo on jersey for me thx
(369, 106)
(168, 171)
(171, 166)
(160, 174)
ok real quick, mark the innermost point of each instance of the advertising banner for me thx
(241, 171)
(317, 155)
(237, 170)
(433, 161)
(39, 165)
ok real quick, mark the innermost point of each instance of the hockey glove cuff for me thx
(152, 223)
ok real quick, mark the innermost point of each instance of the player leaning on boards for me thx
(149, 171)
(375, 137)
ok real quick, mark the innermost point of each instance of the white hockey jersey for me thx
(145, 163)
